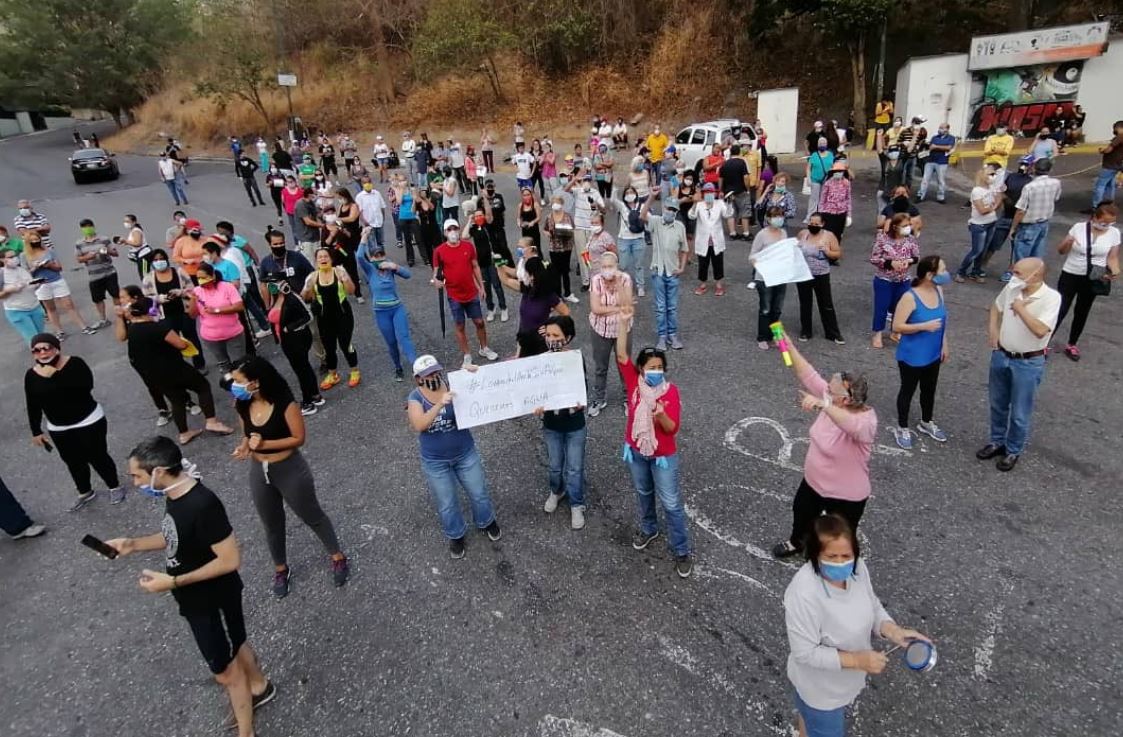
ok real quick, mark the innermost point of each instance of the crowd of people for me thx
(208, 300)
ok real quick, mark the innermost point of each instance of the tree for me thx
(848, 23)
(244, 71)
(461, 34)
(105, 54)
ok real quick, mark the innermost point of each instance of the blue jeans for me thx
(394, 326)
(631, 258)
(1104, 188)
(820, 722)
(1013, 387)
(1029, 241)
(175, 188)
(886, 295)
(998, 236)
(28, 323)
(374, 237)
(941, 172)
(442, 478)
(972, 264)
(13, 520)
(567, 463)
(492, 282)
(666, 304)
(651, 480)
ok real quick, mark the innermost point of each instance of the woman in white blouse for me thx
(1078, 280)
(832, 613)
(709, 237)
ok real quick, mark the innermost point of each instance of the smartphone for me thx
(48, 447)
(36, 282)
(99, 547)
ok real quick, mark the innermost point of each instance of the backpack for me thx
(635, 223)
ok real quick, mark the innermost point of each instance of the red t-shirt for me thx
(458, 262)
(672, 405)
(713, 176)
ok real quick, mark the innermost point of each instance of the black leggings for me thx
(835, 223)
(808, 504)
(346, 259)
(489, 162)
(337, 331)
(927, 377)
(175, 384)
(295, 346)
(561, 260)
(83, 447)
(1074, 287)
(817, 290)
(704, 261)
(275, 193)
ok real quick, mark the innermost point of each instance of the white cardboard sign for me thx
(500, 391)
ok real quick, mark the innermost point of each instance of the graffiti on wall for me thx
(1022, 98)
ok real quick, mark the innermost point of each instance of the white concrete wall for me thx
(9, 127)
(777, 110)
(1099, 93)
(937, 87)
(56, 123)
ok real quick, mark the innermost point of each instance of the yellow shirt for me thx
(656, 145)
(752, 159)
(882, 113)
(996, 149)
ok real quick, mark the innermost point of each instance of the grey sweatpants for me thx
(604, 358)
(289, 481)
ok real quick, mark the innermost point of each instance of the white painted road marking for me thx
(552, 726)
(984, 651)
(783, 455)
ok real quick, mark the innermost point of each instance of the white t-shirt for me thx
(167, 170)
(1102, 242)
(456, 156)
(371, 207)
(524, 164)
(381, 151)
(987, 196)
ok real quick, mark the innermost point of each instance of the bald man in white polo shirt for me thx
(1022, 320)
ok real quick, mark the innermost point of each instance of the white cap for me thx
(451, 223)
(426, 365)
(378, 138)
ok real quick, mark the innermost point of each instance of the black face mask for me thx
(814, 229)
(432, 383)
(52, 362)
(900, 204)
(277, 251)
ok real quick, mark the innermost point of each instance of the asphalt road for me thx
(551, 633)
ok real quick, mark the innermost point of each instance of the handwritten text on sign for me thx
(500, 391)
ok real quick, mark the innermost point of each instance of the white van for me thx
(694, 142)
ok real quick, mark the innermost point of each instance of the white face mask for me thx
(453, 236)
(629, 198)
(128, 226)
(598, 229)
(905, 230)
(1016, 284)
(556, 207)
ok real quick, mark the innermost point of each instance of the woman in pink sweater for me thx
(836, 474)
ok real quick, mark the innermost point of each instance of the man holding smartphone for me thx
(201, 572)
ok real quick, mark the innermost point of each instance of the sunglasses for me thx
(43, 349)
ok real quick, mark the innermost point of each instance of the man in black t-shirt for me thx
(734, 175)
(497, 224)
(201, 572)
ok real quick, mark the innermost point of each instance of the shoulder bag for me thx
(1097, 282)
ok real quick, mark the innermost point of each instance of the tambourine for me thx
(919, 655)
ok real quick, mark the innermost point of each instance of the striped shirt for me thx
(607, 326)
(34, 220)
(1039, 198)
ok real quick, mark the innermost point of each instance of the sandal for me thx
(719, 292)
(701, 289)
(187, 437)
(219, 429)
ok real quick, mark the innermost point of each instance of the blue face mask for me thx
(942, 279)
(241, 392)
(150, 490)
(708, 197)
(653, 378)
(837, 572)
(669, 216)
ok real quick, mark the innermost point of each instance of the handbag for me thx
(1097, 283)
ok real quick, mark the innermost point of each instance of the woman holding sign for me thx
(836, 473)
(654, 409)
(565, 432)
(448, 456)
(832, 613)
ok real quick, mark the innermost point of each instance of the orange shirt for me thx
(188, 253)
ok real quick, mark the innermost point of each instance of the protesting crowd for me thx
(612, 232)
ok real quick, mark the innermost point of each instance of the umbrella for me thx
(441, 300)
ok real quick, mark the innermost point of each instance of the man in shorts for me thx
(97, 253)
(524, 167)
(456, 269)
(202, 572)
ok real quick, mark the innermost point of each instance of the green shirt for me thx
(307, 173)
(12, 244)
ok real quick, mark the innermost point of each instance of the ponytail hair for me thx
(930, 264)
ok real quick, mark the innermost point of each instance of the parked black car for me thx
(93, 163)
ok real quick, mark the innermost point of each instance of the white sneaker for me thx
(467, 360)
(33, 530)
(751, 285)
(490, 316)
(361, 300)
(640, 292)
(263, 333)
(571, 299)
(551, 504)
(162, 419)
(503, 316)
(488, 353)
(195, 410)
(576, 518)
(596, 407)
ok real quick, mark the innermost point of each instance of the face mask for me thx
(837, 571)
(181, 221)
(608, 272)
(814, 229)
(900, 203)
(128, 225)
(598, 229)
(942, 279)
(586, 187)
(1043, 136)
(555, 345)
(556, 207)
(629, 198)
(776, 222)
(943, 132)
(323, 267)
(241, 391)
(653, 377)
(837, 174)
(669, 217)
(432, 383)
(24, 211)
(781, 188)
(708, 197)
(150, 489)
(203, 281)
(11, 263)
(367, 186)
(688, 182)
(1016, 284)
(822, 147)
(906, 230)
(480, 220)
(194, 233)
(52, 361)
(453, 236)
(1096, 225)
(160, 265)
(1000, 131)
(277, 251)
